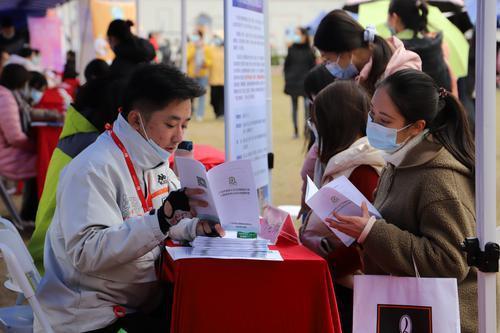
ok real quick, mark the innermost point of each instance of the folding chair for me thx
(9, 204)
(24, 277)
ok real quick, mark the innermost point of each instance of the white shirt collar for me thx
(142, 154)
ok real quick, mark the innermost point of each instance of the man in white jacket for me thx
(117, 201)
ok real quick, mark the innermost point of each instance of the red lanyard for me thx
(147, 206)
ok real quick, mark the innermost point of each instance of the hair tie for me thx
(369, 34)
(443, 92)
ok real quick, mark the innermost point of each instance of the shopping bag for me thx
(389, 304)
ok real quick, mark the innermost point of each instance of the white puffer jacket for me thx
(101, 246)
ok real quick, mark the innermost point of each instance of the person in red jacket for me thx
(339, 118)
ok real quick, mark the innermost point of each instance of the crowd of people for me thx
(382, 112)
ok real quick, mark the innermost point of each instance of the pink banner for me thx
(46, 36)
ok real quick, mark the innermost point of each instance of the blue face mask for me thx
(162, 153)
(36, 96)
(297, 39)
(218, 41)
(342, 73)
(383, 138)
(391, 29)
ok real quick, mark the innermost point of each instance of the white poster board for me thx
(246, 88)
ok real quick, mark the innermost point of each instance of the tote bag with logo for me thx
(390, 304)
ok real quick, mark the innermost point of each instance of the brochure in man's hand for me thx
(232, 200)
(229, 190)
(339, 196)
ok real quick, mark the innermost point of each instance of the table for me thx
(47, 137)
(212, 295)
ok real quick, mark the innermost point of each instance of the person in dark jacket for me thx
(95, 69)
(11, 39)
(299, 60)
(129, 49)
(408, 21)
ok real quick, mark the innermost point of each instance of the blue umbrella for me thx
(471, 6)
(313, 25)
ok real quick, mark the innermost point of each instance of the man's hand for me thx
(181, 204)
(209, 228)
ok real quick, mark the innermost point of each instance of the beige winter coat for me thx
(428, 207)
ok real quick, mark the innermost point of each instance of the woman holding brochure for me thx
(426, 192)
(339, 117)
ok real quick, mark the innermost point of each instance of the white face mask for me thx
(36, 96)
(383, 138)
(313, 128)
(162, 153)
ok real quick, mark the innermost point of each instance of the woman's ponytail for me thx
(120, 29)
(423, 10)
(413, 14)
(417, 97)
(452, 129)
(381, 55)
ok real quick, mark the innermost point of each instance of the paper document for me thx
(177, 253)
(339, 196)
(230, 246)
(272, 223)
(230, 192)
(230, 241)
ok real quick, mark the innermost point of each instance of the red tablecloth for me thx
(46, 141)
(52, 100)
(221, 296)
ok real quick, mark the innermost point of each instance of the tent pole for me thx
(486, 155)
(183, 36)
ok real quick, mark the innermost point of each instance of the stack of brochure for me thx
(229, 190)
(230, 246)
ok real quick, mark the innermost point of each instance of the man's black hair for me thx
(96, 68)
(25, 52)
(153, 86)
(14, 76)
(7, 22)
(37, 80)
(95, 99)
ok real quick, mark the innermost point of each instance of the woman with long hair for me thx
(129, 49)
(426, 192)
(351, 51)
(408, 21)
(339, 114)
